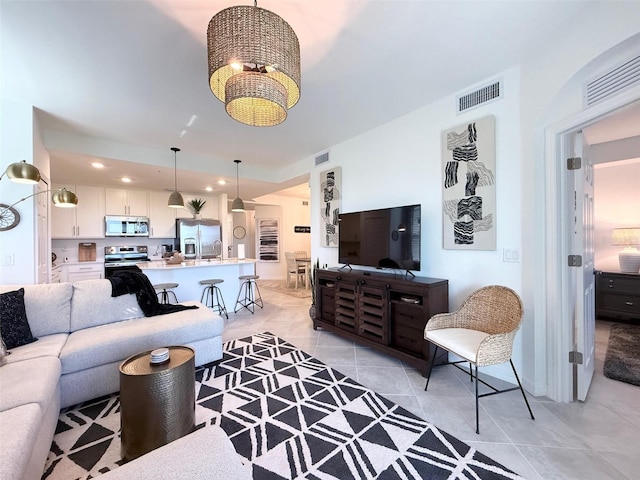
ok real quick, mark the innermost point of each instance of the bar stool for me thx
(251, 292)
(166, 290)
(211, 291)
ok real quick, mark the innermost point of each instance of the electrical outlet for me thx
(9, 260)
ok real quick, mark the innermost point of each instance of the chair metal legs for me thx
(248, 296)
(521, 389)
(474, 374)
(433, 359)
(214, 300)
(477, 398)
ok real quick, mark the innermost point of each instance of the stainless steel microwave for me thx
(116, 226)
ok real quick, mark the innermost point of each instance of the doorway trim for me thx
(555, 289)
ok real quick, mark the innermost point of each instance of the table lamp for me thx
(629, 256)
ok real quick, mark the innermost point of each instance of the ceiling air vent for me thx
(322, 158)
(478, 97)
(608, 84)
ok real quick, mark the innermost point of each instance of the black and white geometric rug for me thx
(290, 416)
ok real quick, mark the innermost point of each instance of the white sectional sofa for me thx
(83, 336)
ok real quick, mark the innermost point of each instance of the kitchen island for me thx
(188, 274)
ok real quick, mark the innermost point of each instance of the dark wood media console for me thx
(384, 311)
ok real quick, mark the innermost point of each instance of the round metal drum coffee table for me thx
(157, 401)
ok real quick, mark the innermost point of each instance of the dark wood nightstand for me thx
(618, 295)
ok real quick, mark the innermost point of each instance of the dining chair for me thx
(481, 332)
(294, 269)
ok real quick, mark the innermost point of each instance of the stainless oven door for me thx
(110, 269)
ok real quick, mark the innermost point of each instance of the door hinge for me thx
(574, 163)
(575, 357)
(575, 260)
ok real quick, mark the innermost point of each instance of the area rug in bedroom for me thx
(290, 416)
(622, 361)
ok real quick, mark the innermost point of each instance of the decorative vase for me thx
(197, 216)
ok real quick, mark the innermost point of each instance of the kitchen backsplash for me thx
(68, 249)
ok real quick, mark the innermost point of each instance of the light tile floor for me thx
(597, 439)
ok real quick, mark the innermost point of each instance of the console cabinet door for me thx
(372, 313)
(346, 308)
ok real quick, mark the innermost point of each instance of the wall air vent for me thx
(608, 84)
(480, 96)
(322, 158)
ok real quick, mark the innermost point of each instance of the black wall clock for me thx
(9, 217)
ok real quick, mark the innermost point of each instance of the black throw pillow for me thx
(14, 326)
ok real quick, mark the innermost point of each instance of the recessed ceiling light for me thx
(209, 189)
(97, 165)
(126, 179)
(222, 182)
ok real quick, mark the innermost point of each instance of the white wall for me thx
(18, 260)
(399, 163)
(617, 205)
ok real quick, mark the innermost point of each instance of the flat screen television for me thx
(383, 238)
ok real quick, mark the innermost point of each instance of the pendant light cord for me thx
(175, 168)
(237, 179)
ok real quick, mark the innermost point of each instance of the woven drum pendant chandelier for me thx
(254, 64)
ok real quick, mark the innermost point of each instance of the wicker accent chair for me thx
(482, 333)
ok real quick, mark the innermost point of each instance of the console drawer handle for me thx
(629, 303)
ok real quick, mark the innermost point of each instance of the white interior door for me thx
(583, 278)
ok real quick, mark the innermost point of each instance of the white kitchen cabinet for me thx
(121, 201)
(82, 271)
(86, 220)
(162, 219)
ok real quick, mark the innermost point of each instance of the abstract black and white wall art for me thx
(469, 189)
(330, 201)
(268, 240)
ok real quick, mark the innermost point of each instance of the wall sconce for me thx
(23, 172)
(629, 256)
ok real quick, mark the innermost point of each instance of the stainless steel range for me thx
(123, 258)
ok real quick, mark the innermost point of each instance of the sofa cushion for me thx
(23, 423)
(14, 326)
(30, 381)
(114, 342)
(47, 346)
(204, 454)
(93, 305)
(48, 306)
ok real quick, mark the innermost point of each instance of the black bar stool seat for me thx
(165, 291)
(249, 294)
(213, 294)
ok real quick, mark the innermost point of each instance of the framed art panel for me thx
(330, 200)
(268, 240)
(469, 188)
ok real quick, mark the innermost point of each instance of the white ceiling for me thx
(131, 75)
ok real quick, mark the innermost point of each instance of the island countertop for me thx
(213, 262)
(189, 273)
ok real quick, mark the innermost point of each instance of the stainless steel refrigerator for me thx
(199, 238)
